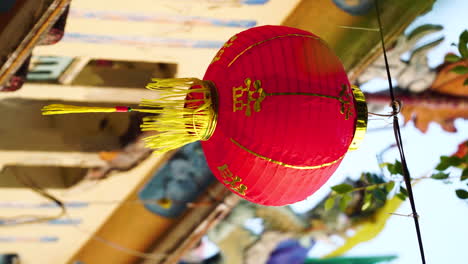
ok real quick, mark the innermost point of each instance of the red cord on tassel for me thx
(122, 109)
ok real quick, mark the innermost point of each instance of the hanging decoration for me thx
(275, 113)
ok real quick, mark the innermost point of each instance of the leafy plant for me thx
(374, 189)
(463, 49)
(457, 161)
(366, 195)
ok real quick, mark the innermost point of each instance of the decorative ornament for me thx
(275, 113)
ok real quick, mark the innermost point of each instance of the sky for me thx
(443, 217)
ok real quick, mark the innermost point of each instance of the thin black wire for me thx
(396, 129)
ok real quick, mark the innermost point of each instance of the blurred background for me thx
(82, 189)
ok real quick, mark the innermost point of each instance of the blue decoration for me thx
(142, 41)
(289, 251)
(255, 2)
(181, 180)
(19, 239)
(48, 68)
(62, 221)
(355, 7)
(159, 18)
(49, 205)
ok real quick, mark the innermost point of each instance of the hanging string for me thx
(32, 219)
(396, 129)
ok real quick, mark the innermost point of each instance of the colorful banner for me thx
(160, 18)
(141, 41)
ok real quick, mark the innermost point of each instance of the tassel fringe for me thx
(178, 120)
(56, 109)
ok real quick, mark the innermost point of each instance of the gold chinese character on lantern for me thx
(221, 51)
(234, 182)
(243, 96)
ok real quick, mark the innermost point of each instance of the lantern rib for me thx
(270, 39)
(298, 167)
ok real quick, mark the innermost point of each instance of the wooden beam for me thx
(47, 158)
(24, 48)
(194, 224)
(73, 70)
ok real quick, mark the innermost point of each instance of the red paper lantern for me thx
(286, 114)
(276, 114)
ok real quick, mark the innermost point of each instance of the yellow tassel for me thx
(176, 123)
(56, 109)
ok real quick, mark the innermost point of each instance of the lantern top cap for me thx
(361, 122)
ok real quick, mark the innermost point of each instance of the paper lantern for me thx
(275, 112)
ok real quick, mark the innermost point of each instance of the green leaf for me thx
(460, 69)
(464, 36)
(424, 28)
(367, 202)
(329, 203)
(462, 194)
(345, 201)
(462, 45)
(395, 168)
(403, 190)
(389, 186)
(440, 176)
(384, 164)
(446, 162)
(342, 188)
(401, 196)
(465, 82)
(372, 178)
(464, 175)
(452, 58)
(379, 195)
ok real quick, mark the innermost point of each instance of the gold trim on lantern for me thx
(361, 122)
(213, 121)
(270, 39)
(299, 167)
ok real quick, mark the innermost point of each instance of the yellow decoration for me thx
(298, 167)
(238, 93)
(234, 182)
(178, 121)
(221, 51)
(361, 122)
(270, 39)
(369, 229)
(258, 94)
(55, 109)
